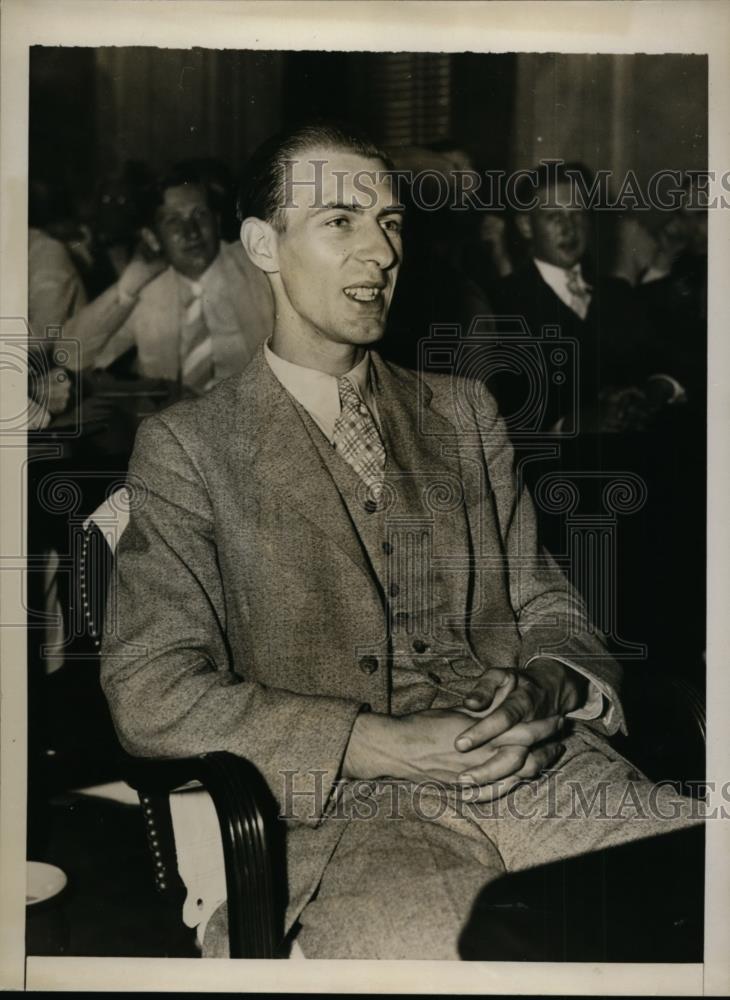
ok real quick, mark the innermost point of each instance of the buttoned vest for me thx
(419, 526)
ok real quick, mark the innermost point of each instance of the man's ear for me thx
(260, 242)
(522, 221)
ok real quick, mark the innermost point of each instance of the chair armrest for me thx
(250, 837)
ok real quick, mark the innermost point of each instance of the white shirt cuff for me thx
(678, 391)
(598, 701)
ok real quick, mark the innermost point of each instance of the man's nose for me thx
(191, 230)
(568, 225)
(377, 247)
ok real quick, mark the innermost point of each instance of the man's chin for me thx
(369, 334)
(569, 259)
(364, 332)
(194, 265)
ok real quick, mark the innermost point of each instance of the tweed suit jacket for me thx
(248, 616)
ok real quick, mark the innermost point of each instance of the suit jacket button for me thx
(419, 646)
(368, 664)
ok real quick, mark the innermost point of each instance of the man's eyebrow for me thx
(354, 207)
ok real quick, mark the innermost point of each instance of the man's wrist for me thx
(567, 689)
(127, 296)
(364, 757)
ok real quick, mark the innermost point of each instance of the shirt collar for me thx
(198, 285)
(557, 279)
(555, 275)
(317, 391)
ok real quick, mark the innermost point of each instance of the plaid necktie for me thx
(196, 347)
(357, 440)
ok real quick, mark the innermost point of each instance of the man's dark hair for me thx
(261, 191)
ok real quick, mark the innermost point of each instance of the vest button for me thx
(368, 664)
(394, 590)
(419, 646)
(387, 548)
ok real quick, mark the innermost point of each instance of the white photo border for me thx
(658, 26)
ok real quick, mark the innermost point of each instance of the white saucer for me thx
(42, 882)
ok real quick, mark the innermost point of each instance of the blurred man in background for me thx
(199, 308)
(554, 289)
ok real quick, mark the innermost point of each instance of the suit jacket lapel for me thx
(283, 459)
(416, 436)
(553, 307)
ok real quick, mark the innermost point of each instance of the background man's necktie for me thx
(580, 292)
(357, 439)
(196, 348)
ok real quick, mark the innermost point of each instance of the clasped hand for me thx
(516, 717)
(519, 715)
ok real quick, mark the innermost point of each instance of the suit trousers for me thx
(412, 860)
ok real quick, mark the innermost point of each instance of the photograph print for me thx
(365, 485)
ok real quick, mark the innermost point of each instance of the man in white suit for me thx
(198, 316)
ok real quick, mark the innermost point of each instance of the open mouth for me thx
(364, 293)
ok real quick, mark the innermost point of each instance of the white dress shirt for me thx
(560, 279)
(209, 290)
(318, 392)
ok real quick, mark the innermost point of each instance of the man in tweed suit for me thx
(336, 576)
